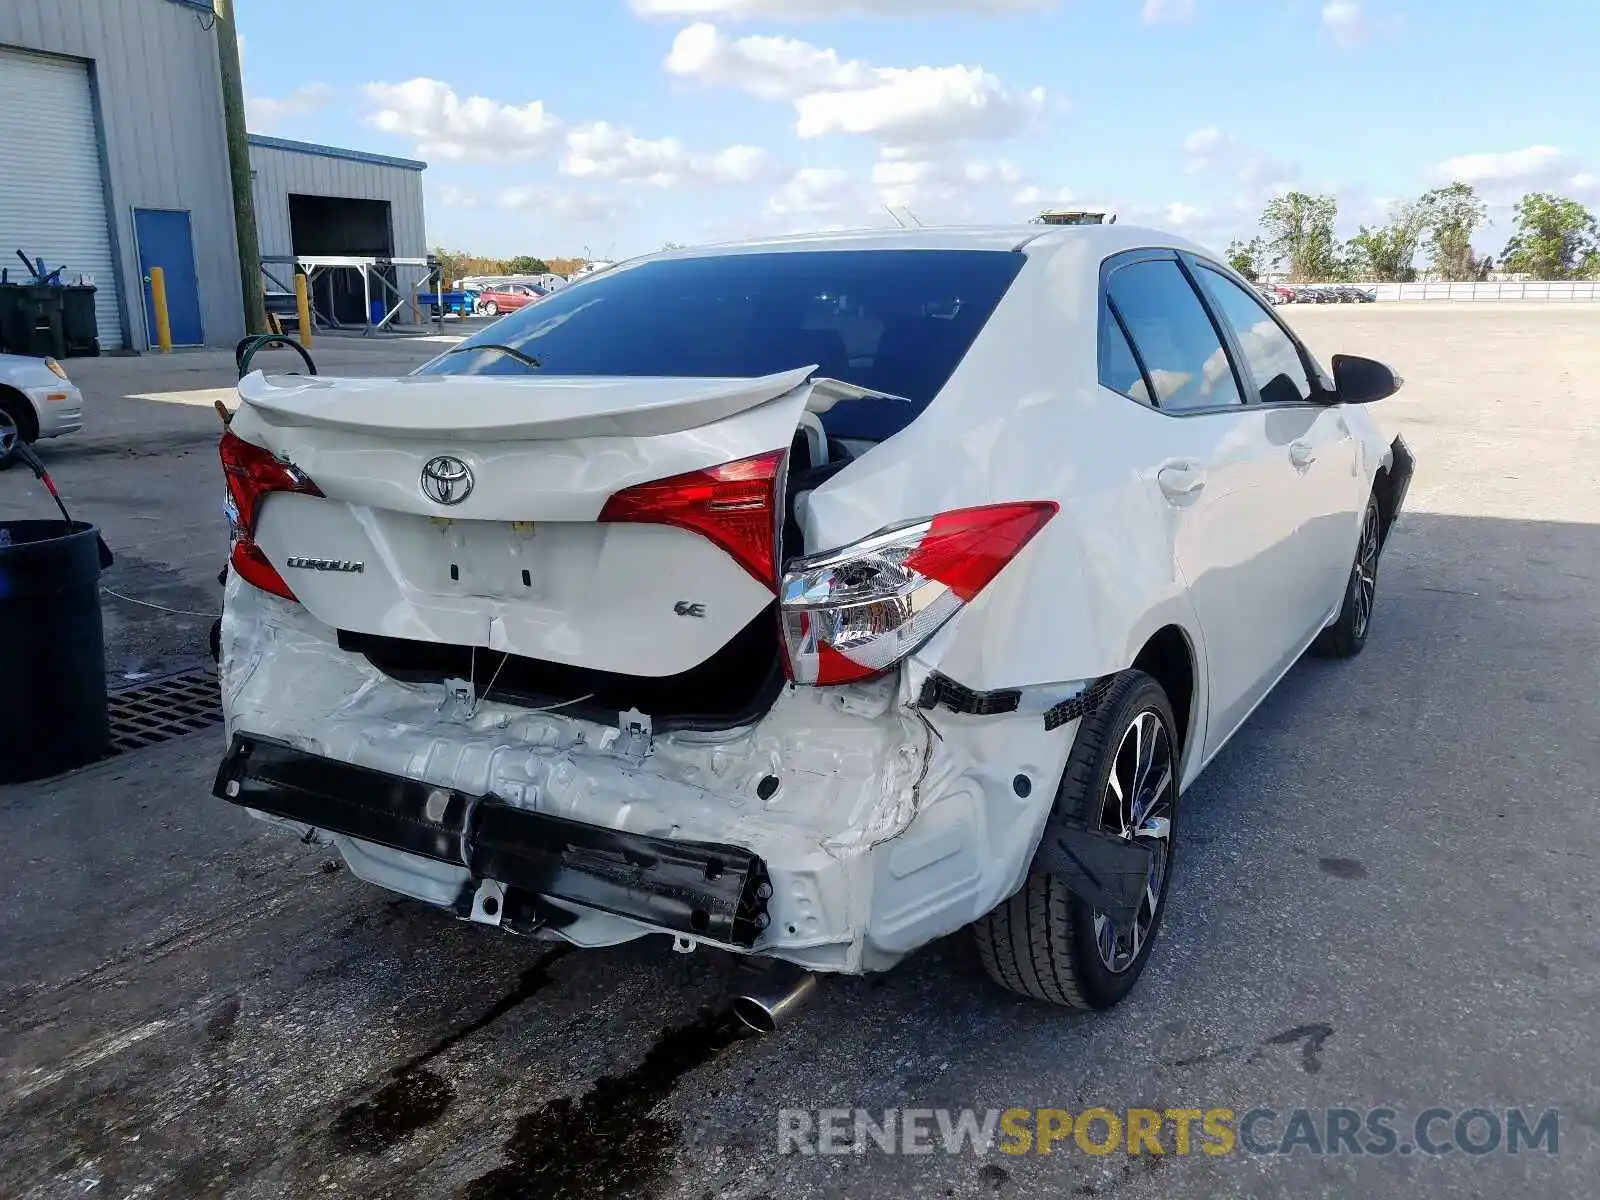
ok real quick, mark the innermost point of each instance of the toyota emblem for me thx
(446, 480)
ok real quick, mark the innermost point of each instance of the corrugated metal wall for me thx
(278, 173)
(159, 96)
(49, 136)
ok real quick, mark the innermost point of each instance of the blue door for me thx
(166, 242)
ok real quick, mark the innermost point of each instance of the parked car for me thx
(811, 600)
(38, 398)
(1282, 295)
(506, 297)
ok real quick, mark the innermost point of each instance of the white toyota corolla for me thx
(810, 598)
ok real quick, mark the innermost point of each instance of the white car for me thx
(37, 398)
(810, 598)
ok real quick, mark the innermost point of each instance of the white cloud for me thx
(936, 190)
(898, 106)
(264, 113)
(1515, 166)
(1346, 22)
(918, 106)
(446, 125)
(819, 192)
(1211, 150)
(1506, 176)
(945, 188)
(600, 150)
(823, 9)
(1167, 12)
(565, 204)
(451, 196)
(1035, 196)
(773, 68)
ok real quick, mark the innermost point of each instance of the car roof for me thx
(1102, 239)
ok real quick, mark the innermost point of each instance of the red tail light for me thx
(853, 613)
(734, 505)
(251, 474)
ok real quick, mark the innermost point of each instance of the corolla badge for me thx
(446, 480)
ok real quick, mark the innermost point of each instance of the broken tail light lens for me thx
(734, 505)
(853, 613)
(252, 473)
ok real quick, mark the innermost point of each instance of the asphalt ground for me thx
(1386, 898)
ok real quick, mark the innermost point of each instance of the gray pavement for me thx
(1387, 896)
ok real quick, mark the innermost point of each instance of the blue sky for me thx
(560, 127)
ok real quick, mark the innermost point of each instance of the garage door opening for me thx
(328, 226)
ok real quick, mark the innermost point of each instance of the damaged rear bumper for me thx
(712, 891)
(878, 825)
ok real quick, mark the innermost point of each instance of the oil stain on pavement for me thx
(607, 1142)
(415, 1097)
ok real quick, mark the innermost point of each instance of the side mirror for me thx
(1362, 380)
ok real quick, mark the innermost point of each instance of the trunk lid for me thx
(463, 512)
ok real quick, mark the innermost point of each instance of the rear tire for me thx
(1047, 943)
(1347, 636)
(491, 309)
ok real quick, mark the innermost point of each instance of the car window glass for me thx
(1119, 370)
(1268, 351)
(1188, 366)
(893, 321)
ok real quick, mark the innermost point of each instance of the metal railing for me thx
(1532, 289)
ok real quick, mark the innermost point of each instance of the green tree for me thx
(1251, 259)
(1299, 229)
(1555, 238)
(525, 264)
(1450, 217)
(1389, 252)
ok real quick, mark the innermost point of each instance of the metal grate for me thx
(163, 709)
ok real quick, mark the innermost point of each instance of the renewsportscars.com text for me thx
(1214, 1132)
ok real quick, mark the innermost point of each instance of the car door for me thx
(1309, 430)
(1225, 492)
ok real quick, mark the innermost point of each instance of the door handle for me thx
(1301, 454)
(1179, 480)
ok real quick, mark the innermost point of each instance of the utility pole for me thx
(244, 205)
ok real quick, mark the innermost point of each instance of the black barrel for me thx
(31, 319)
(80, 328)
(52, 656)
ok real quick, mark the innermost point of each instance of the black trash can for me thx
(31, 319)
(52, 655)
(80, 328)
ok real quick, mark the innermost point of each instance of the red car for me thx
(506, 297)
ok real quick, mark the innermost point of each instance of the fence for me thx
(1533, 289)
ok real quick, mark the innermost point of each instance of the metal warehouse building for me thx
(114, 158)
(320, 202)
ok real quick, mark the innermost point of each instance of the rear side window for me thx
(1269, 352)
(896, 321)
(1119, 369)
(1184, 360)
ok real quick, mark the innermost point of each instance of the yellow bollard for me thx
(302, 303)
(158, 301)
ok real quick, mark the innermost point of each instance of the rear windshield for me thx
(896, 321)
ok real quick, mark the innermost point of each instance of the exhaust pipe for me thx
(773, 996)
